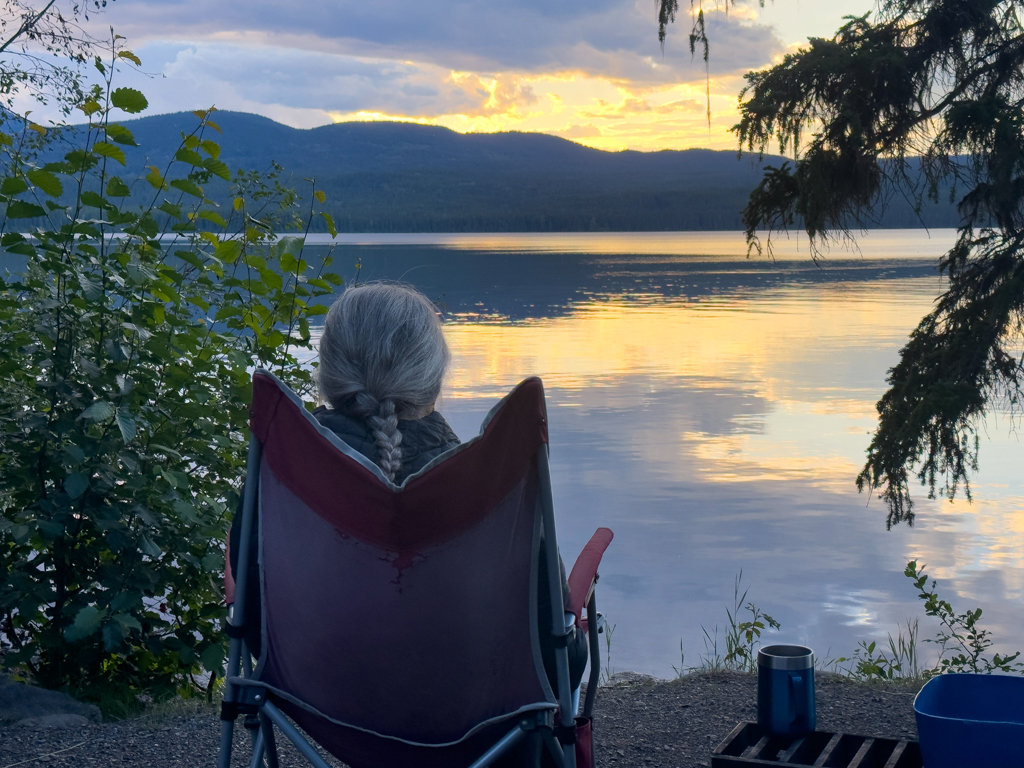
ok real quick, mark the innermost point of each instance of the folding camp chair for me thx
(400, 624)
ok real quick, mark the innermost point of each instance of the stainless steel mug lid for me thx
(785, 657)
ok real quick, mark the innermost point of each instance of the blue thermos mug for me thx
(785, 690)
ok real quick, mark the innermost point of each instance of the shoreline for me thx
(638, 720)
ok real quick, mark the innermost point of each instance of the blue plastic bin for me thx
(971, 721)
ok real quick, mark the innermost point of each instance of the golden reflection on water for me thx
(885, 243)
(754, 340)
(815, 355)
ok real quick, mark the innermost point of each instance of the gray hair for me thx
(383, 357)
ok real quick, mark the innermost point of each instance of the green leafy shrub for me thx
(127, 338)
(963, 644)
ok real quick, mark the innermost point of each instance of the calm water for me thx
(713, 410)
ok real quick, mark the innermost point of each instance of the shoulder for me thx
(353, 431)
(430, 433)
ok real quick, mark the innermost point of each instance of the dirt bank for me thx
(639, 722)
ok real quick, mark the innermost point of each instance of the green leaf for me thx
(19, 209)
(148, 547)
(76, 484)
(73, 455)
(24, 249)
(117, 188)
(13, 186)
(185, 511)
(170, 209)
(320, 196)
(329, 220)
(100, 411)
(212, 216)
(47, 182)
(211, 148)
(127, 621)
(288, 246)
(90, 107)
(213, 658)
(188, 156)
(175, 478)
(106, 149)
(80, 160)
(188, 187)
(126, 424)
(129, 100)
(93, 200)
(86, 622)
(228, 250)
(271, 279)
(121, 135)
(130, 56)
(217, 168)
(155, 178)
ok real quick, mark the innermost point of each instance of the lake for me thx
(714, 410)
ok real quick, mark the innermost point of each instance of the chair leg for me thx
(535, 750)
(595, 657)
(270, 742)
(555, 749)
(257, 751)
(227, 733)
(292, 734)
(508, 741)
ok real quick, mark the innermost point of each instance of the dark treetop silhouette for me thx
(943, 81)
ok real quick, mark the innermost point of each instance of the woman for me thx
(383, 359)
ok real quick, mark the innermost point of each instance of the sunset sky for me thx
(589, 71)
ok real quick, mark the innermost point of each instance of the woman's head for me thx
(382, 357)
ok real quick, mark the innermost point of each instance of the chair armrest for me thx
(229, 579)
(584, 571)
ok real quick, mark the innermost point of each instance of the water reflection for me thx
(714, 411)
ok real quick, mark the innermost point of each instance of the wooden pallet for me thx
(749, 744)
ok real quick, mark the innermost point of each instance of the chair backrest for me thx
(407, 611)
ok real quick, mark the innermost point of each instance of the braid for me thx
(382, 357)
(382, 418)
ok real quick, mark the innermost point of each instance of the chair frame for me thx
(245, 695)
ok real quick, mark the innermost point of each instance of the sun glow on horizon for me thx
(593, 111)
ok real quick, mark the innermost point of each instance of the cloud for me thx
(617, 38)
(579, 131)
(315, 86)
(582, 71)
(634, 106)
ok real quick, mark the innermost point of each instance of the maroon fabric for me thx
(585, 569)
(402, 612)
(584, 743)
(427, 511)
(424, 653)
(229, 580)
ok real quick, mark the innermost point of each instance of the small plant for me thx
(962, 643)
(681, 669)
(901, 661)
(741, 640)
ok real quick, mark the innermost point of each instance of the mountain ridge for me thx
(409, 177)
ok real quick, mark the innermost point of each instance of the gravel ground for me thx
(638, 722)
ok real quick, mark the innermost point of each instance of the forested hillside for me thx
(403, 177)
